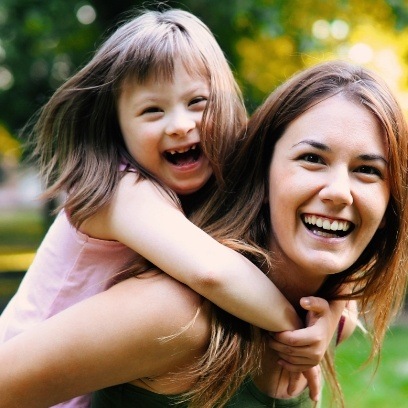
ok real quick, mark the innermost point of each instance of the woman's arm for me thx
(111, 338)
(302, 350)
(144, 218)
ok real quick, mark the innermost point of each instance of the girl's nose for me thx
(337, 188)
(180, 123)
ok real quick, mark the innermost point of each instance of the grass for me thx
(388, 386)
(20, 235)
(20, 231)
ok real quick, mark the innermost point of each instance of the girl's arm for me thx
(96, 343)
(144, 218)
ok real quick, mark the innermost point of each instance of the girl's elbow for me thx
(207, 281)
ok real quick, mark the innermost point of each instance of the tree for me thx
(42, 43)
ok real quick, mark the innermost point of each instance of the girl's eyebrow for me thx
(323, 147)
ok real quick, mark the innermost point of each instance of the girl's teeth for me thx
(183, 150)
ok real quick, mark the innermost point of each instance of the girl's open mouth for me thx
(182, 157)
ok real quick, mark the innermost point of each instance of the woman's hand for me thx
(301, 351)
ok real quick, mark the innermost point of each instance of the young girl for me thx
(155, 111)
(145, 111)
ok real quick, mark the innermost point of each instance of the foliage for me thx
(42, 43)
(280, 37)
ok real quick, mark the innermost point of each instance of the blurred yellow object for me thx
(17, 262)
(9, 146)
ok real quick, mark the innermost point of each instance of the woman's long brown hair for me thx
(237, 214)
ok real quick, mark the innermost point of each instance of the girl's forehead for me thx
(164, 70)
(157, 80)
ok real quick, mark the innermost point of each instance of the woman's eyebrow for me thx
(373, 157)
(313, 143)
(324, 147)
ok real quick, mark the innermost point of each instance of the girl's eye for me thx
(311, 158)
(369, 170)
(200, 100)
(151, 109)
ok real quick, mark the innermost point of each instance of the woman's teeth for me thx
(327, 224)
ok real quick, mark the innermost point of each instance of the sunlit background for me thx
(43, 42)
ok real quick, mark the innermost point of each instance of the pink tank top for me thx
(69, 267)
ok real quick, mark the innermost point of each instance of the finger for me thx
(294, 378)
(296, 339)
(283, 347)
(296, 355)
(313, 377)
(314, 304)
(316, 307)
(295, 368)
(300, 360)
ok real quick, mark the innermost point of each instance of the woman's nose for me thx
(337, 188)
(180, 123)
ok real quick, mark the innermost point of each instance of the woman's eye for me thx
(369, 170)
(312, 158)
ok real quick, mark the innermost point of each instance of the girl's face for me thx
(160, 122)
(329, 188)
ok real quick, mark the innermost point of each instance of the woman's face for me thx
(328, 188)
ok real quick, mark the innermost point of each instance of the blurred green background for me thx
(42, 43)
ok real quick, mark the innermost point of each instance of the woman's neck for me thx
(293, 281)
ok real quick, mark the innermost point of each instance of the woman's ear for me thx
(266, 194)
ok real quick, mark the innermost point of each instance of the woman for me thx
(341, 100)
(323, 165)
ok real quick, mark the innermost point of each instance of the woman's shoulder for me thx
(177, 313)
(172, 320)
(172, 303)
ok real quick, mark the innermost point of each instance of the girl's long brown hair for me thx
(78, 141)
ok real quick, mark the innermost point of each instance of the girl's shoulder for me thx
(143, 190)
(135, 200)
